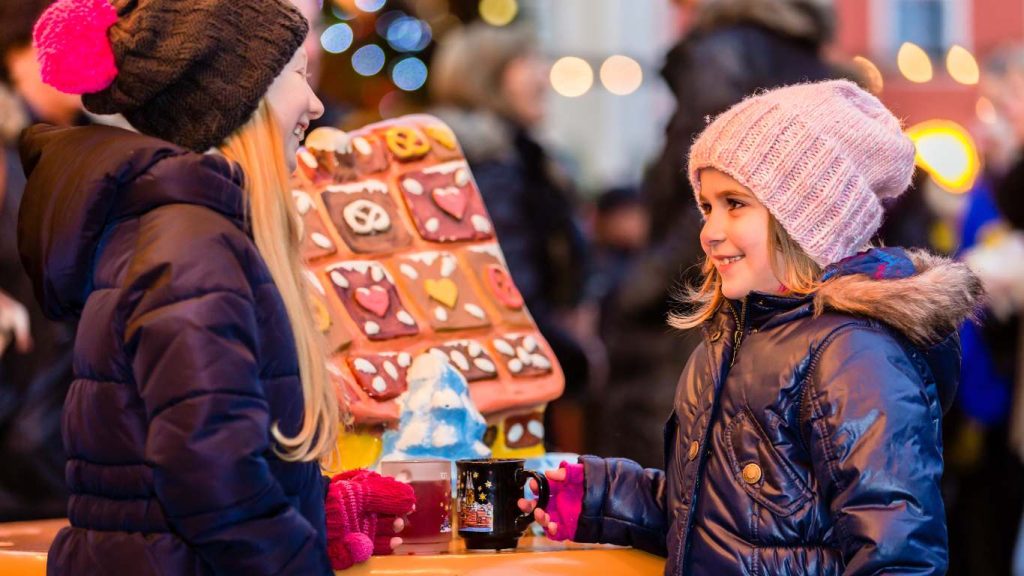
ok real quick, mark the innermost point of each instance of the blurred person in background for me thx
(35, 353)
(490, 85)
(734, 48)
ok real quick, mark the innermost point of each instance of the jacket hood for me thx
(484, 136)
(82, 180)
(809, 20)
(923, 296)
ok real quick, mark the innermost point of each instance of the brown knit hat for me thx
(188, 71)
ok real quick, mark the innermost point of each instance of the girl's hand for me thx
(542, 517)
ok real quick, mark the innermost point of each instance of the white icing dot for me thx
(440, 314)
(504, 347)
(536, 428)
(405, 318)
(432, 225)
(460, 360)
(523, 356)
(377, 273)
(485, 365)
(339, 279)
(412, 186)
(438, 353)
(481, 224)
(540, 361)
(515, 366)
(515, 433)
(404, 359)
(530, 343)
(391, 370)
(321, 240)
(409, 271)
(362, 146)
(475, 310)
(475, 349)
(307, 159)
(379, 384)
(364, 366)
(371, 328)
(461, 177)
(448, 265)
(303, 203)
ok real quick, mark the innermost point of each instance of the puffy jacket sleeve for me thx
(623, 504)
(876, 446)
(194, 359)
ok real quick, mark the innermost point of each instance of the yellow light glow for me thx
(498, 12)
(914, 63)
(985, 110)
(962, 66)
(571, 76)
(872, 75)
(947, 152)
(621, 75)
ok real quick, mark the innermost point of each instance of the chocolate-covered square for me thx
(468, 357)
(445, 203)
(441, 290)
(522, 355)
(368, 293)
(365, 216)
(383, 376)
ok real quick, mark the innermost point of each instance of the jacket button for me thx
(751, 473)
(694, 448)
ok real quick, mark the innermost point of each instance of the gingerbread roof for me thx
(402, 260)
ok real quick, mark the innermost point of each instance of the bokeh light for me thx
(871, 74)
(385, 20)
(621, 75)
(571, 76)
(337, 38)
(408, 34)
(370, 5)
(390, 105)
(962, 66)
(368, 60)
(409, 74)
(986, 111)
(914, 63)
(947, 152)
(498, 12)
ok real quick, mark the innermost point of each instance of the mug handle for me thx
(522, 475)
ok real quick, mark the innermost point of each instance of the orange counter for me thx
(23, 548)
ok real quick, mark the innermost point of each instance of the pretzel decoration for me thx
(406, 143)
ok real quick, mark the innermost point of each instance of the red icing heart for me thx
(452, 200)
(375, 299)
(503, 288)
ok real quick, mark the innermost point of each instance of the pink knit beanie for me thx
(819, 156)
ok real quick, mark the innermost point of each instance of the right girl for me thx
(805, 437)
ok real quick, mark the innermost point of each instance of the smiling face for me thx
(735, 236)
(294, 104)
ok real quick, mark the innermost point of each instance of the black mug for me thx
(488, 502)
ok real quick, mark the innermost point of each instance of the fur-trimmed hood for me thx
(926, 306)
(810, 20)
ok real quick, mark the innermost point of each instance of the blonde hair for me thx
(257, 148)
(796, 271)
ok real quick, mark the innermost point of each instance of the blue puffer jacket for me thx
(184, 359)
(802, 443)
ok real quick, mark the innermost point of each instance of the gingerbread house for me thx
(402, 259)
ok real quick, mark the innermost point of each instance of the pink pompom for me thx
(72, 47)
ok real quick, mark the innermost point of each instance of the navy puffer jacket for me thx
(184, 359)
(801, 443)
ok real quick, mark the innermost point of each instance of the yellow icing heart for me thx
(443, 290)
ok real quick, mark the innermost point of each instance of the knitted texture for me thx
(72, 47)
(566, 501)
(355, 499)
(194, 72)
(820, 156)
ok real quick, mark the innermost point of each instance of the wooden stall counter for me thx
(23, 547)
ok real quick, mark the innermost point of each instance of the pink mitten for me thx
(354, 499)
(566, 501)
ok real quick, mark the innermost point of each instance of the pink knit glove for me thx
(354, 500)
(566, 501)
